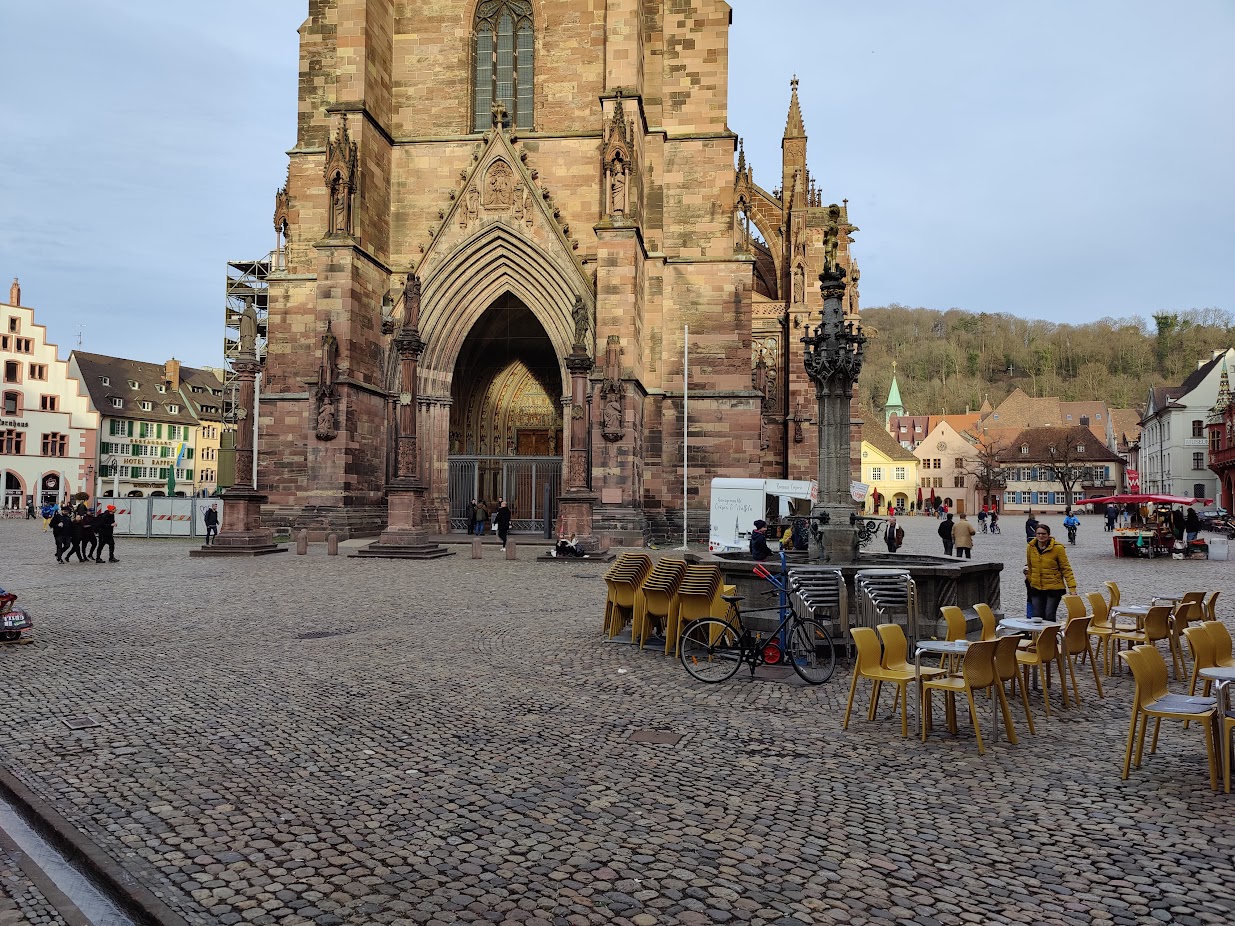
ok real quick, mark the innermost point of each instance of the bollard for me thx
(332, 544)
(302, 543)
(477, 549)
(510, 548)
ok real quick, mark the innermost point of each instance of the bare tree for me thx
(986, 467)
(1065, 455)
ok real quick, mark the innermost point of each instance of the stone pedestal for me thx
(242, 533)
(575, 517)
(404, 537)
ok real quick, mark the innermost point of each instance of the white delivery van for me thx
(737, 503)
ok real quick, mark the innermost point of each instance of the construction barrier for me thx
(162, 517)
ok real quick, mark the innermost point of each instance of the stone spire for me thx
(15, 293)
(793, 125)
(1224, 395)
(893, 405)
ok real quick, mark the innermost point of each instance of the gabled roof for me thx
(148, 376)
(1126, 423)
(1020, 410)
(1041, 440)
(958, 423)
(882, 441)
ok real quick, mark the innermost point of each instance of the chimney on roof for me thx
(171, 373)
(15, 293)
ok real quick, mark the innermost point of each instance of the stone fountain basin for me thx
(940, 581)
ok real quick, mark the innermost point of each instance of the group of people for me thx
(478, 519)
(957, 535)
(85, 533)
(794, 537)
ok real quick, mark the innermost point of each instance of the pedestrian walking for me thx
(1031, 527)
(471, 517)
(62, 533)
(211, 517)
(994, 521)
(1112, 512)
(759, 549)
(1047, 573)
(501, 522)
(105, 528)
(48, 513)
(962, 537)
(1192, 524)
(482, 518)
(945, 534)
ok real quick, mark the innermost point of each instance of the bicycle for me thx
(714, 648)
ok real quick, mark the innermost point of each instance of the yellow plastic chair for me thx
(1112, 590)
(1221, 638)
(657, 599)
(623, 579)
(1045, 651)
(1203, 657)
(1076, 644)
(866, 665)
(1007, 670)
(1153, 699)
(1158, 627)
(896, 660)
(954, 617)
(977, 674)
(1211, 606)
(1228, 724)
(989, 624)
(1102, 627)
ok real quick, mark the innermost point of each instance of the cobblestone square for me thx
(322, 740)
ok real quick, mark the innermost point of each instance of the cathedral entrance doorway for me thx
(506, 419)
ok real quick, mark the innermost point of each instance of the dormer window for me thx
(133, 384)
(173, 409)
(1025, 448)
(117, 403)
(160, 389)
(1080, 448)
(105, 380)
(147, 406)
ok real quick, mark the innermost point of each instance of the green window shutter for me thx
(135, 472)
(135, 450)
(188, 475)
(164, 451)
(162, 472)
(159, 428)
(129, 430)
(188, 453)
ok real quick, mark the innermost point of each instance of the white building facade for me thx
(48, 432)
(1174, 446)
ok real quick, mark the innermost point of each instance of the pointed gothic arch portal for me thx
(506, 418)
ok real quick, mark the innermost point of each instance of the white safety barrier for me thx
(162, 517)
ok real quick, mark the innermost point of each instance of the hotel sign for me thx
(13, 423)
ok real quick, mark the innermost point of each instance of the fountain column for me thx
(833, 359)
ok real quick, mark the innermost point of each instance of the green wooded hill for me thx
(947, 360)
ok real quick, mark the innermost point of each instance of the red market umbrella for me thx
(919, 498)
(932, 496)
(1143, 500)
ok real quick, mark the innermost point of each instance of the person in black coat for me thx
(62, 532)
(105, 528)
(501, 521)
(759, 549)
(1192, 525)
(945, 534)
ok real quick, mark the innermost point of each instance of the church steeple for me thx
(893, 405)
(793, 125)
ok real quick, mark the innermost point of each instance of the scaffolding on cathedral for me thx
(246, 286)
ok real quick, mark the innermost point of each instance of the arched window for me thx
(502, 62)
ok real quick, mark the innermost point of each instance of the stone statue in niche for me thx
(580, 315)
(499, 185)
(553, 443)
(326, 393)
(612, 393)
(248, 330)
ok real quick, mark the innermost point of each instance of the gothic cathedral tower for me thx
(543, 191)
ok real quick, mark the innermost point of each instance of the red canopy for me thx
(1142, 500)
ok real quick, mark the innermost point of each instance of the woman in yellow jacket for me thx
(1047, 573)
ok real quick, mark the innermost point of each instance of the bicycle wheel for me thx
(710, 650)
(811, 652)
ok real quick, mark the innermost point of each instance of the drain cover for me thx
(655, 737)
(81, 723)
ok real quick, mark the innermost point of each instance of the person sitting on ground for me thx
(569, 547)
(759, 549)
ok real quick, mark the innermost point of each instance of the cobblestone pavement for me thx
(458, 749)
(21, 903)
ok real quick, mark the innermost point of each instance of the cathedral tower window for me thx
(502, 63)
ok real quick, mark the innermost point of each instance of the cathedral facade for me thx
(548, 194)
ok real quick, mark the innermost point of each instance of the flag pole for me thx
(685, 428)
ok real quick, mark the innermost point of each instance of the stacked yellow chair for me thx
(624, 579)
(699, 595)
(657, 599)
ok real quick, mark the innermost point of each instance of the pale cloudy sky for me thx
(1060, 159)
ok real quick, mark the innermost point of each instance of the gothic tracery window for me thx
(502, 62)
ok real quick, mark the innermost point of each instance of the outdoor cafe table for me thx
(1034, 625)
